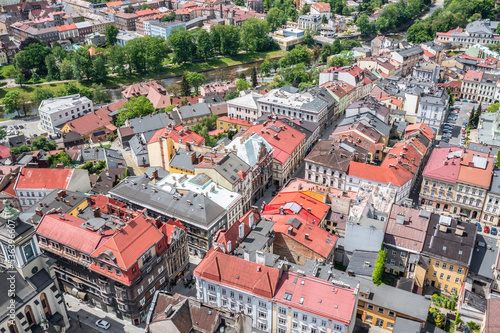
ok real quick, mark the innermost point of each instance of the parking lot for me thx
(29, 126)
(454, 125)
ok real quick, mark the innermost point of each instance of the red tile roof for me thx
(191, 99)
(316, 296)
(66, 27)
(177, 134)
(223, 236)
(283, 138)
(241, 274)
(470, 174)
(321, 7)
(142, 88)
(145, 12)
(318, 240)
(234, 121)
(65, 229)
(114, 3)
(411, 234)
(95, 120)
(315, 207)
(442, 165)
(158, 99)
(43, 178)
(471, 75)
(422, 128)
(4, 152)
(131, 242)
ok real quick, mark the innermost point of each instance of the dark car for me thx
(493, 231)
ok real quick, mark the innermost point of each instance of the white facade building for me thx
(55, 112)
(244, 107)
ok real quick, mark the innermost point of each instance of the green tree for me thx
(471, 117)
(299, 54)
(231, 95)
(254, 77)
(35, 78)
(59, 53)
(129, 9)
(111, 33)
(451, 100)
(99, 70)
(99, 94)
(225, 39)
(308, 40)
(116, 59)
(145, 6)
(12, 101)
(493, 107)
(265, 67)
(276, 18)
(183, 45)
(40, 95)
(379, 267)
(185, 88)
(32, 58)
(253, 34)
(239, 3)
(242, 84)
(42, 143)
(66, 69)
(59, 158)
(170, 17)
(204, 45)
(3, 134)
(81, 63)
(52, 69)
(174, 89)
(195, 80)
(135, 107)
(305, 10)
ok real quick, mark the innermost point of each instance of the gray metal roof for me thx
(484, 256)
(183, 159)
(150, 123)
(229, 167)
(403, 325)
(362, 263)
(395, 299)
(192, 208)
(194, 110)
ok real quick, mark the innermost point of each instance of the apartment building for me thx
(55, 112)
(433, 108)
(311, 22)
(470, 85)
(200, 215)
(321, 8)
(190, 115)
(245, 107)
(491, 208)
(125, 21)
(455, 182)
(113, 257)
(203, 185)
(68, 31)
(407, 58)
(480, 31)
(315, 106)
(38, 302)
(256, 152)
(446, 254)
(288, 148)
(163, 29)
(404, 238)
(327, 164)
(343, 93)
(34, 184)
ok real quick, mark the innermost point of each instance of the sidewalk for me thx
(89, 315)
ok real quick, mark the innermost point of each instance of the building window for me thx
(282, 310)
(369, 307)
(460, 269)
(381, 310)
(391, 313)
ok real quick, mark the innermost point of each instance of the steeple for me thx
(9, 212)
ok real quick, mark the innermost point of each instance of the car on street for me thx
(493, 231)
(486, 229)
(479, 228)
(464, 100)
(474, 102)
(102, 324)
(463, 130)
(445, 140)
(21, 127)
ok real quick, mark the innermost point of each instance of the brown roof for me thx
(220, 110)
(492, 320)
(471, 173)
(331, 154)
(406, 228)
(142, 88)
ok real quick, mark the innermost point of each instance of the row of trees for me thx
(474, 116)
(392, 16)
(187, 45)
(455, 13)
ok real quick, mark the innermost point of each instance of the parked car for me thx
(102, 324)
(486, 229)
(493, 231)
(463, 130)
(479, 228)
(474, 102)
(464, 100)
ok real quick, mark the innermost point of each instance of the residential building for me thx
(164, 29)
(68, 31)
(480, 31)
(34, 184)
(203, 185)
(404, 238)
(237, 285)
(191, 115)
(288, 38)
(230, 172)
(310, 22)
(244, 107)
(455, 182)
(383, 305)
(482, 275)
(288, 148)
(364, 136)
(304, 105)
(364, 233)
(95, 122)
(113, 257)
(256, 152)
(308, 305)
(217, 88)
(55, 112)
(446, 255)
(491, 208)
(84, 29)
(232, 124)
(362, 80)
(343, 92)
(433, 108)
(321, 8)
(25, 275)
(428, 72)
(407, 58)
(200, 215)
(125, 21)
(328, 162)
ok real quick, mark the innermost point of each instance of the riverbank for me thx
(169, 71)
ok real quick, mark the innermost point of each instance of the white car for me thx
(102, 324)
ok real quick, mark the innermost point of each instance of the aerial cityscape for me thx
(250, 166)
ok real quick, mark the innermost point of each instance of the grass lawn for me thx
(31, 88)
(4, 69)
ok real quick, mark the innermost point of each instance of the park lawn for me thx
(29, 89)
(4, 69)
